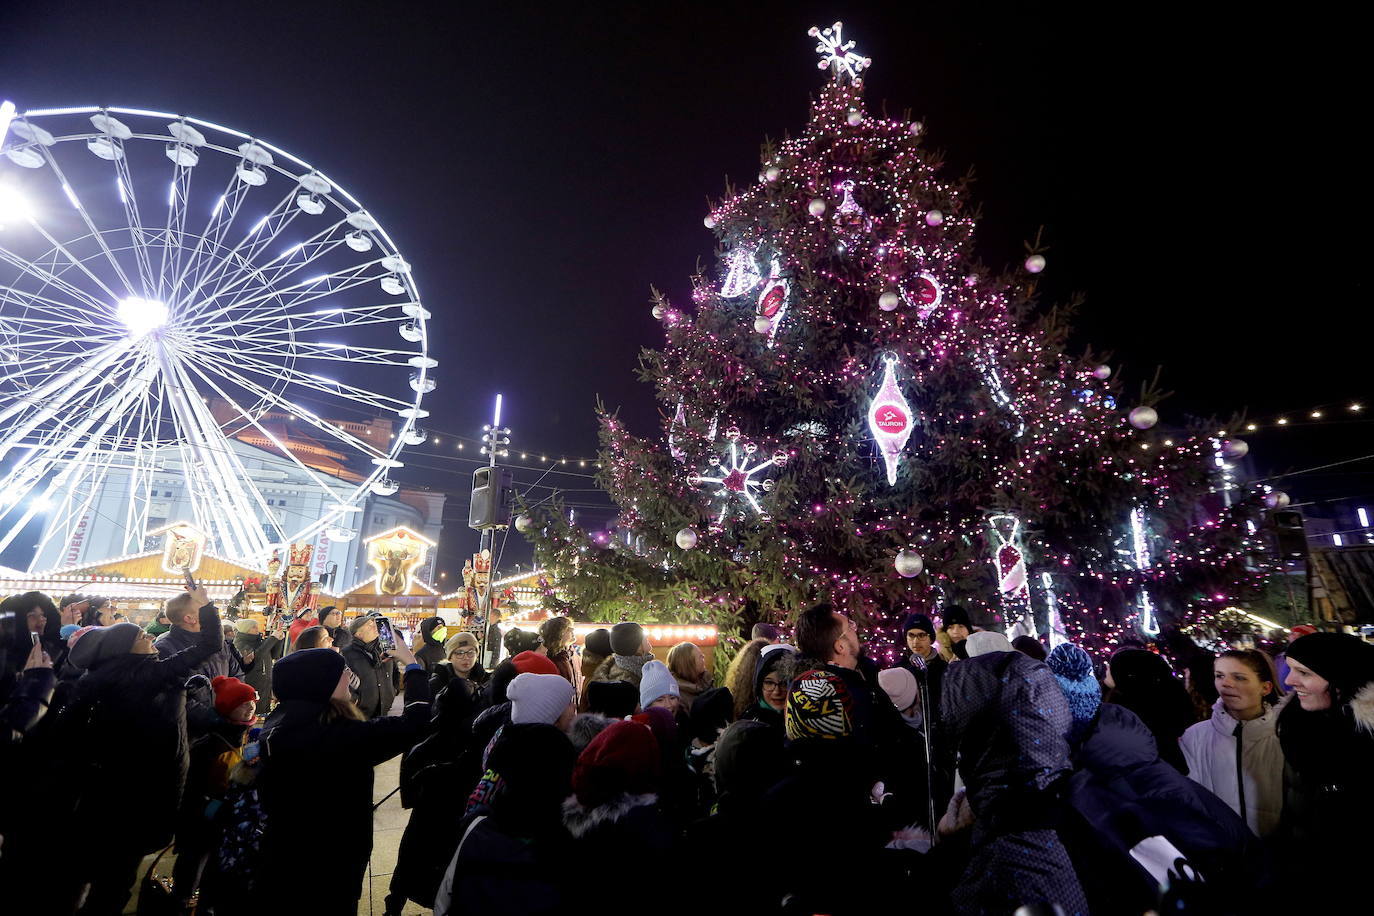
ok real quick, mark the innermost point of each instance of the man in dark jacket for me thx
(182, 611)
(918, 636)
(317, 771)
(259, 654)
(374, 667)
(1004, 717)
(429, 651)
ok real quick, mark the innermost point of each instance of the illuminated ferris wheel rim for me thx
(134, 310)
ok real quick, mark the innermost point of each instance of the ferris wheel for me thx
(183, 300)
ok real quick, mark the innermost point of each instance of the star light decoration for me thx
(837, 54)
(737, 477)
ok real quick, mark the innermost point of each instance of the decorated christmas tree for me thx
(855, 410)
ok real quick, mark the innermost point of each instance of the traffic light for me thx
(493, 494)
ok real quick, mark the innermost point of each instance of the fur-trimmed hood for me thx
(580, 821)
(1362, 708)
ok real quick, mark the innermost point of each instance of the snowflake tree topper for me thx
(837, 55)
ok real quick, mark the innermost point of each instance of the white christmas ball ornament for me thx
(916, 128)
(816, 207)
(523, 523)
(854, 117)
(763, 324)
(1035, 263)
(658, 312)
(1102, 372)
(1235, 448)
(709, 222)
(771, 173)
(686, 539)
(934, 218)
(908, 564)
(1144, 417)
(889, 301)
(1277, 500)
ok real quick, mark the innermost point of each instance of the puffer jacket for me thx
(1005, 717)
(1210, 749)
(258, 673)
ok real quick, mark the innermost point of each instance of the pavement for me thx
(388, 822)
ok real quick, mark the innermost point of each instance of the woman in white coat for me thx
(1236, 752)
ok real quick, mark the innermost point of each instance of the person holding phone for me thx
(371, 658)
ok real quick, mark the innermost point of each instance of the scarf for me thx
(634, 664)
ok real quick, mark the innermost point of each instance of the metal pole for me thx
(491, 438)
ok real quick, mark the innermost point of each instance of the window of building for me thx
(167, 494)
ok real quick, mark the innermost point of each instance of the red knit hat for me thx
(231, 693)
(533, 663)
(623, 758)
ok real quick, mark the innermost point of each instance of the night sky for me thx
(1199, 180)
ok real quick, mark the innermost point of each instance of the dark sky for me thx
(1199, 175)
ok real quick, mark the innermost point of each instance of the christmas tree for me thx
(855, 410)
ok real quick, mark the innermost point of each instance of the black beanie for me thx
(916, 621)
(1346, 661)
(956, 614)
(613, 699)
(308, 674)
(598, 642)
(626, 638)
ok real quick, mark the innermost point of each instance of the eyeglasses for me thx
(769, 684)
(465, 653)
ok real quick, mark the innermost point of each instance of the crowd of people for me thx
(973, 776)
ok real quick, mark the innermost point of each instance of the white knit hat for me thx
(538, 698)
(986, 641)
(657, 681)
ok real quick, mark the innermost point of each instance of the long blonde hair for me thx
(680, 658)
(739, 677)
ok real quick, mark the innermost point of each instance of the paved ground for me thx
(387, 824)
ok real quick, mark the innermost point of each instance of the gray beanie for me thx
(626, 638)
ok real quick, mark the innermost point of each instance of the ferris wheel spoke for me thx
(129, 198)
(275, 373)
(62, 314)
(299, 293)
(323, 425)
(326, 319)
(288, 261)
(95, 233)
(169, 265)
(49, 278)
(207, 242)
(50, 396)
(280, 403)
(266, 345)
(258, 237)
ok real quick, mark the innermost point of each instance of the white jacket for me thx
(1210, 749)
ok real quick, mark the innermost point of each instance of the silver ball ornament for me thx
(1102, 372)
(855, 117)
(762, 324)
(686, 539)
(1277, 499)
(908, 564)
(658, 312)
(523, 523)
(771, 173)
(816, 207)
(916, 128)
(1235, 448)
(709, 222)
(1035, 263)
(934, 218)
(1144, 417)
(780, 457)
(889, 301)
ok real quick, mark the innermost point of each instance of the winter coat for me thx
(258, 674)
(1328, 759)
(495, 870)
(315, 786)
(1005, 717)
(376, 677)
(157, 629)
(1121, 792)
(431, 652)
(608, 670)
(1209, 747)
(934, 675)
(26, 704)
(563, 661)
(630, 831)
(688, 691)
(126, 727)
(200, 703)
(299, 626)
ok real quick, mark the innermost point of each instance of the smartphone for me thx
(385, 635)
(190, 579)
(33, 639)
